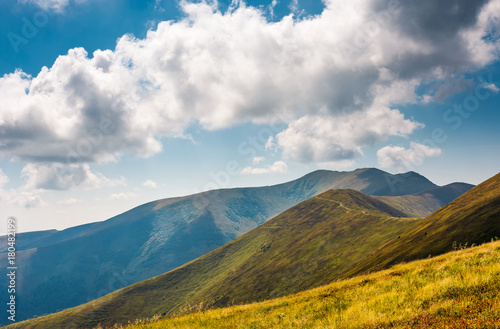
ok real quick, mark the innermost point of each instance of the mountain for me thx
(472, 218)
(66, 268)
(457, 290)
(333, 235)
(308, 245)
(425, 203)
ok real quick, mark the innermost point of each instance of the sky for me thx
(109, 104)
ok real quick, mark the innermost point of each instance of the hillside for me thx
(308, 245)
(425, 203)
(95, 259)
(458, 290)
(473, 218)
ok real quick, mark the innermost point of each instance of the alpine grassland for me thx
(337, 260)
(460, 289)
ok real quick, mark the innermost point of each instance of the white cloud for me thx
(124, 196)
(491, 87)
(150, 183)
(271, 144)
(56, 5)
(399, 157)
(271, 7)
(19, 197)
(218, 70)
(3, 178)
(294, 6)
(324, 139)
(69, 201)
(257, 160)
(26, 199)
(279, 167)
(337, 165)
(63, 177)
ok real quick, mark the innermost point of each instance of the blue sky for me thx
(109, 104)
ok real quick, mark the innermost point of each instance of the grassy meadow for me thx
(460, 289)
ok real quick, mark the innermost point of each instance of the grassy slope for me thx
(474, 217)
(460, 289)
(425, 203)
(95, 259)
(309, 245)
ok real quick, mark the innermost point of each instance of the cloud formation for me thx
(150, 183)
(278, 167)
(56, 5)
(118, 196)
(68, 201)
(63, 177)
(21, 197)
(399, 157)
(359, 58)
(325, 139)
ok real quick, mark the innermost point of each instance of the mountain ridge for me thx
(161, 235)
(265, 261)
(425, 203)
(449, 227)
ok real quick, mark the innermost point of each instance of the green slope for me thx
(95, 259)
(307, 246)
(473, 218)
(457, 290)
(425, 203)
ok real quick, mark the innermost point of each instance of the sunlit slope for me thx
(473, 218)
(308, 245)
(457, 290)
(95, 259)
(425, 203)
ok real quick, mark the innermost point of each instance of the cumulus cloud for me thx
(324, 139)
(279, 167)
(400, 157)
(150, 183)
(257, 160)
(218, 70)
(19, 197)
(27, 199)
(63, 177)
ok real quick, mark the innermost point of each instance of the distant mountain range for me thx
(425, 203)
(333, 235)
(66, 268)
(473, 218)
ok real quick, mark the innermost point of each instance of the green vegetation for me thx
(338, 234)
(98, 258)
(460, 289)
(425, 203)
(309, 245)
(473, 218)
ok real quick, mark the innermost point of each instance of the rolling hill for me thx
(425, 203)
(338, 234)
(309, 245)
(95, 259)
(460, 289)
(66, 268)
(472, 218)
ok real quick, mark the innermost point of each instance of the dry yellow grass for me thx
(457, 290)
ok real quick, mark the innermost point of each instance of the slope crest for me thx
(473, 218)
